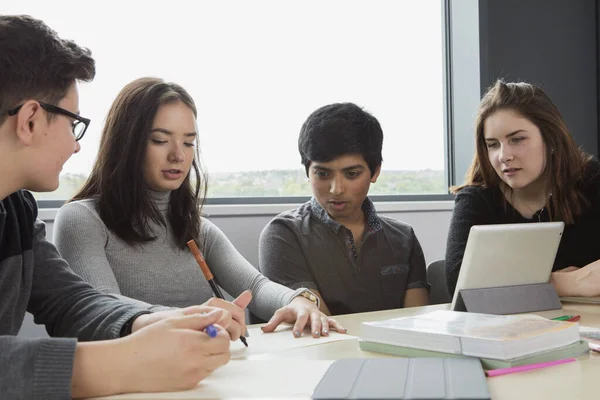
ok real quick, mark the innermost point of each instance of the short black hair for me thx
(338, 129)
(37, 64)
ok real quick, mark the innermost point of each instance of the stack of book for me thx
(499, 341)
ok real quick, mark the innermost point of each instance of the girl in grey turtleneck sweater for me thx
(125, 232)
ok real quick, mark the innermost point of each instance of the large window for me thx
(257, 69)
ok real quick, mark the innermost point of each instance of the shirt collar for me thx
(373, 222)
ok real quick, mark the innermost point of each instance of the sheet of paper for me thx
(281, 339)
(249, 378)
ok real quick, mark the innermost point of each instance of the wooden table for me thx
(568, 381)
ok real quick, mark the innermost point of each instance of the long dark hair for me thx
(117, 177)
(566, 162)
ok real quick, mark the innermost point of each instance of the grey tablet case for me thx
(404, 378)
(505, 300)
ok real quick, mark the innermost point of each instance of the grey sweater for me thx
(34, 278)
(158, 272)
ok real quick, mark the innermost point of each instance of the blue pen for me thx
(211, 331)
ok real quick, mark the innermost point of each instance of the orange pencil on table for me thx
(208, 275)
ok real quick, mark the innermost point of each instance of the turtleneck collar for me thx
(160, 199)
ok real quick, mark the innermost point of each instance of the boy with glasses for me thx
(39, 130)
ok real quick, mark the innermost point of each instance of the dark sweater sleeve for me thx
(68, 306)
(36, 368)
(471, 207)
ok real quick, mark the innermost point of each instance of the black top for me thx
(474, 205)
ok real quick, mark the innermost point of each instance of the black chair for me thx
(436, 277)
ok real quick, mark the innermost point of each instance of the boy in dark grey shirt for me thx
(336, 244)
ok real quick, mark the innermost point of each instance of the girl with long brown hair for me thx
(125, 232)
(527, 168)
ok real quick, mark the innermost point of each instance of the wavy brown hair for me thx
(565, 164)
(117, 179)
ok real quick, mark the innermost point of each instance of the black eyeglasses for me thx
(79, 124)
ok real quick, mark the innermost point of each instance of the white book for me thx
(499, 337)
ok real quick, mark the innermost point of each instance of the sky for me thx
(257, 68)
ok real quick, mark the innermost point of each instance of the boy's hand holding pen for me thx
(236, 308)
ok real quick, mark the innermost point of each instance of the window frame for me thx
(461, 69)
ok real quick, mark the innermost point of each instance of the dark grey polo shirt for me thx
(305, 247)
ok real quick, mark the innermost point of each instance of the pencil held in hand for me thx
(208, 275)
(204, 268)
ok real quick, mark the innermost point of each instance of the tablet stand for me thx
(509, 299)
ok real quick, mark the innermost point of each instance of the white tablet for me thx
(508, 254)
